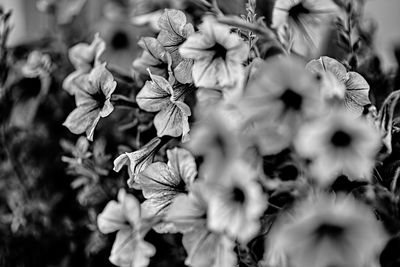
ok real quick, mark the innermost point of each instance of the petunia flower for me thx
(161, 183)
(204, 247)
(324, 231)
(356, 88)
(158, 95)
(92, 97)
(84, 57)
(301, 24)
(129, 248)
(280, 97)
(339, 144)
(236, 202)
(218, 55)
(174, 30)
(37, 65)
(137, 161)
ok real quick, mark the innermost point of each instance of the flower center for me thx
(238, 195)
(296, 11)
(119, 40)
(341, 139)
(291, 99)
(329, 230)
(100, 98)
(220, 51)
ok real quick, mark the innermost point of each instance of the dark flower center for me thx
(220, 51)
(119, 40)
(329, 230)
(100, 98)
(238, 195)
(292, 100)
(298, 10)
(341, 139)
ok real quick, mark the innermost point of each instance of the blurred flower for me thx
(218, 55)
(79, 151)
(236, 202)
(204, 248)
(174, 32)
(326, 231)
(37, 65)
(137, 161)
(84, 57)
(92, 98)
(339, 144)
(129, 249)
(65, 10)
(158, 95)
(280, 97)
(352, 87)
(302, 23)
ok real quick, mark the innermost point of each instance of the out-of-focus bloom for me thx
(37, 65)
(339, 144)
(79, 151)
(174, 31)
(204, 247)
(352, 87)
(161, 183)
(301, 24)
(236, 202)
(84, 57)
(218, 55)
(280, 98)
(65, 10)
(129, 248)
(137, 161)
(92, 97)
(326, 231)
(158, 95)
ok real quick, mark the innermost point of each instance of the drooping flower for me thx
(339, 144)
(158, 95)
(84, 57)
(137, 161)
(236, 202)
(161, 183)
(92, 97)
(325, 231)
(301, 24)
(37, 65)
(280, 97)
(353, 89)
(218, 55)
(129, 248)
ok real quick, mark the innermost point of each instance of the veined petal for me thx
(155, 94)
(183, 162)
(82, 118)
(102, 80)
(171, 120)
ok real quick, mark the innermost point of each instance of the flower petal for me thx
(183, 162)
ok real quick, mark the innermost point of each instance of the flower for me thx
(323, 231)
(84, 57)
(217, 54)
(161, 183)
(236, 202)
(339, 144)
(280, 97)
(352, 87)
(158, 95)
(92, 97)
(302, 24)
(137, 161)
(80, 151)
(37, 65)
(129, 248)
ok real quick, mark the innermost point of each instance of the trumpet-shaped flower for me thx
(281, 96)
(350, 86)
(161, 183)
(129, 248)
(326, 231)
(218, 55)
(92, 97)
(339, 144)
(158, 95)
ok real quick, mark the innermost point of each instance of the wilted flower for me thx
(161, 183)
(302, 23)
(280, 98)
(350, 86)
(92, 97)
(218, 55)
(138, 160)
(37, 65)
(236, 202)
(339, 144)
(158, 95)
(124, 216)
(84, 57)
(325, 231)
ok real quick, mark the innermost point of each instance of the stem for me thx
(123, 101)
